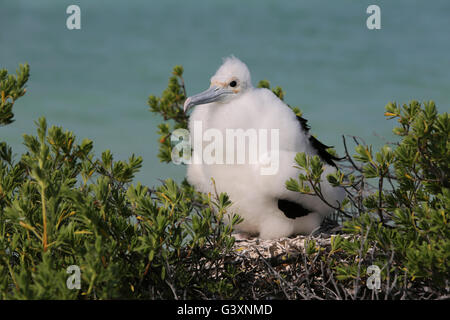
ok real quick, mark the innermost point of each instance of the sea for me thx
(95, 81)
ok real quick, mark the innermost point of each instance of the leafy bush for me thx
(400, 224)
(12, 88)
(61, 206)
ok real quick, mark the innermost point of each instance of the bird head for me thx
(231, 80)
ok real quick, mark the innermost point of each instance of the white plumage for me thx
(261, 200)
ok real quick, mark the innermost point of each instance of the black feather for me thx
(292, 210)
(317, 145)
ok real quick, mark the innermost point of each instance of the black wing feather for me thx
(292, 210)
(317, 145)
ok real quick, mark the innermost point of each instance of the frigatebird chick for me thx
(268, 209)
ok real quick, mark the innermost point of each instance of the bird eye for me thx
(233, 84)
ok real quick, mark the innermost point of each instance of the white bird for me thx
(268, 209)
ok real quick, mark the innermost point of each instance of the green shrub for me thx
(61, 206)
(12, 88)
(402, 223)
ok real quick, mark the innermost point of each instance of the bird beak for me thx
(212, 94)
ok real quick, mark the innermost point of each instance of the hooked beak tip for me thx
(187, 104)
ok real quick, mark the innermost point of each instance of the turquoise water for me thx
(95, 81)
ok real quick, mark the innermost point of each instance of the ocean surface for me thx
(96, 81)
